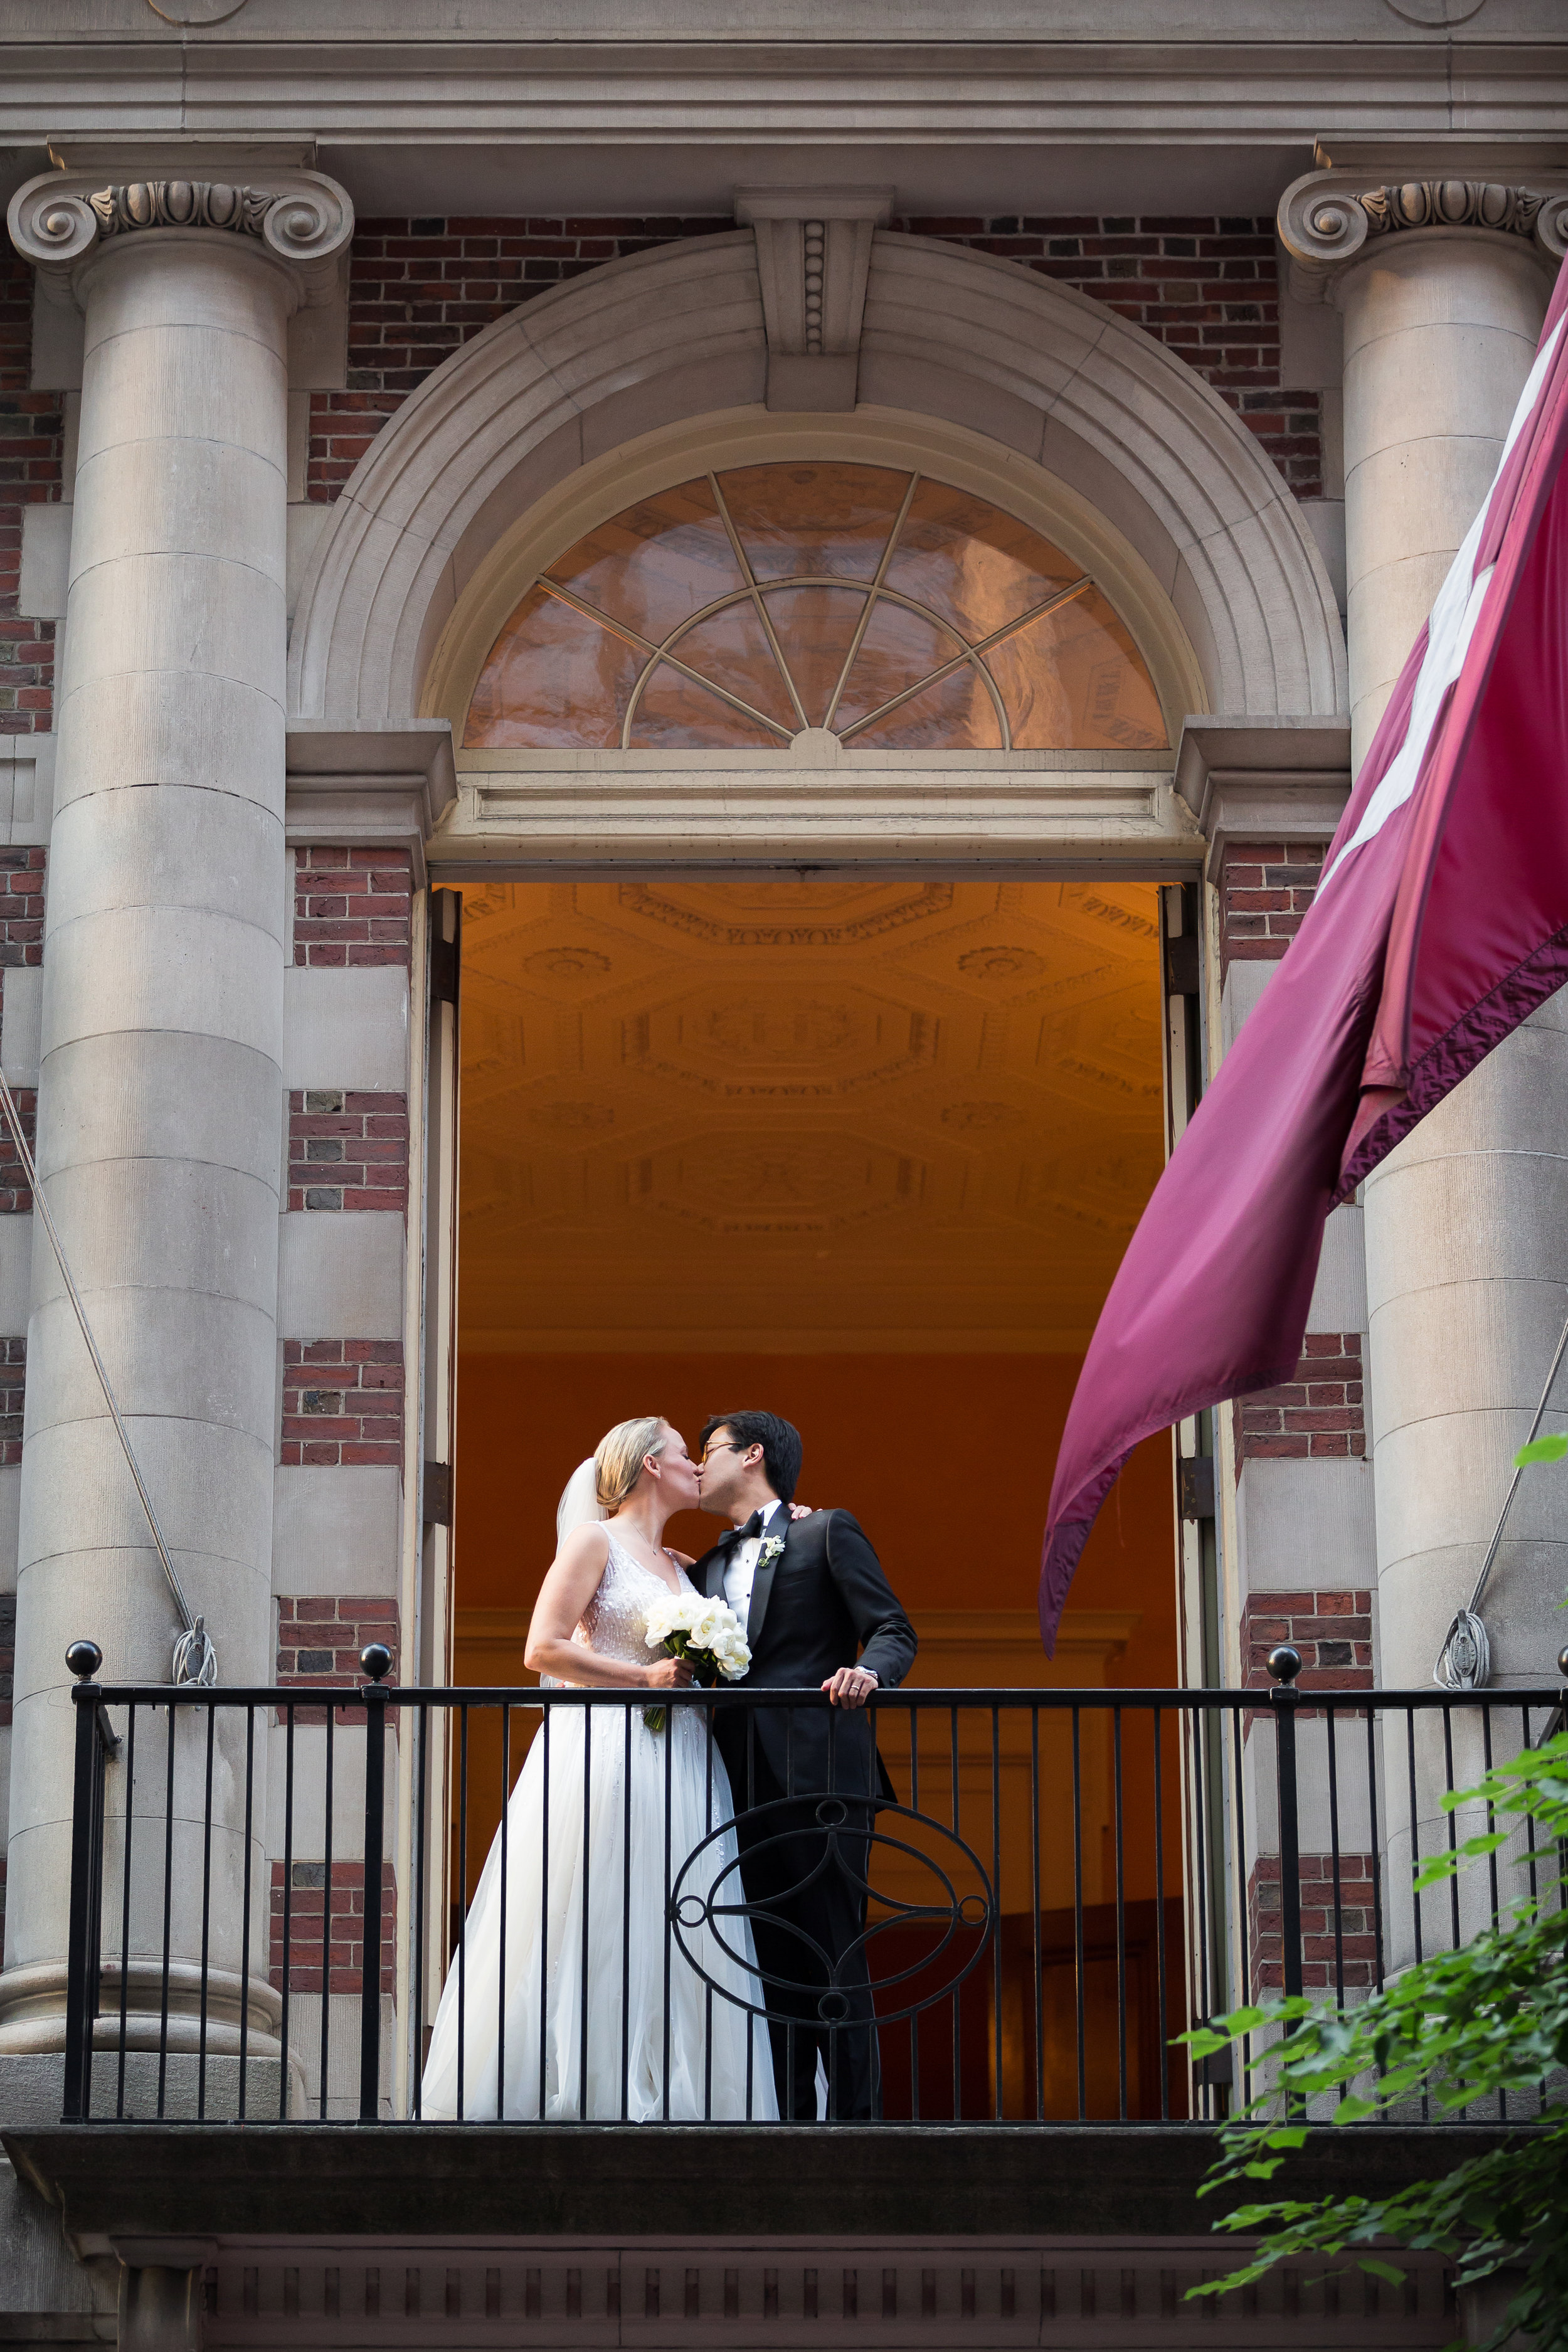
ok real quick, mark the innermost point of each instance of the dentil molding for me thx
(302, 219)
(1328, 219)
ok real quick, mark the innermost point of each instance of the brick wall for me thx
(1206, 287)
(352, 906)
(1321, 1956)
(32, 431)
(419, 288)
(7, 1681)
(1318, 1415)
(16, 1199)
(13, 1391)
(347, 1150)
(1265, 888)
(342, 1403)
(338, 1935)
(22, 875)
(321, 1635)
(1333, 1631)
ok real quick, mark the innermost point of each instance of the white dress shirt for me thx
(741, 1574)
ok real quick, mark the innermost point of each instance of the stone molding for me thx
(551, 77)
(302, 220)
(369, 787)
(813, 251)
(1328, 220)
(1264, 779)
(1040, 376)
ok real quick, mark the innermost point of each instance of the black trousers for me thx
(803, 1864)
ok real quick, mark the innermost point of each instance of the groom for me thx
(811, 1595)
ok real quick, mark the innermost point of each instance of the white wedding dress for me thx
(721, 2064)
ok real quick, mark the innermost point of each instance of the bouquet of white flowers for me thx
(707, 1633)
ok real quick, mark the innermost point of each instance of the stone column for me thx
(159, 1103)
(1443, 286)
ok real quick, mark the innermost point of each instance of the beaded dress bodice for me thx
(614, 1621)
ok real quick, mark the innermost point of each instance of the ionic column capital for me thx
(301, 220)
(1330, 220)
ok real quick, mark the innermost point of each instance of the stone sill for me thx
(409, 2181)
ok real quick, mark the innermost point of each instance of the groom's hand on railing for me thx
(850, 1686)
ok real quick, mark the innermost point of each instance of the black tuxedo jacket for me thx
(820, 1604)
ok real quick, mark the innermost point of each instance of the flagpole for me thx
(1467, 1625)
(196, 1659)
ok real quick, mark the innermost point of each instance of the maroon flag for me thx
(1441, 922)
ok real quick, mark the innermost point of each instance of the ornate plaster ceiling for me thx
(827, 1113)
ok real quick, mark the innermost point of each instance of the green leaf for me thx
(1244, 2021)
(1388, 2271)
(1542, 1449)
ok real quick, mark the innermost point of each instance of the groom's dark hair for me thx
(780, 1441)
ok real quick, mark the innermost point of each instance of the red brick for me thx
(330, 1944)
(415, 298)
(365, 1377)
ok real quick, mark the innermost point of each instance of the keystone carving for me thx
(1329, 218)
(813, 251)
(303, 219)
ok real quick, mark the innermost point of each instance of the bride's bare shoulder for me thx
(585, 1546)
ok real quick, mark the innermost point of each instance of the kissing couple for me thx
(590, 1993)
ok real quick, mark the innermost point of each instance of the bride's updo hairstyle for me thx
(619, 1458)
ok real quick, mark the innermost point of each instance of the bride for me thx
(586, 1827)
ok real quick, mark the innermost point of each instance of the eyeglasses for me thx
(724, 1446)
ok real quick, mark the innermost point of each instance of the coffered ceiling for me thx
(816, 1113)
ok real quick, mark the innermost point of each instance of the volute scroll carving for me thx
(302, 218)
(1328, 219)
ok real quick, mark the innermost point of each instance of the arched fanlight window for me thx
(737, 609)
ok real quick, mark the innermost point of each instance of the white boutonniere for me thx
(772, 1547)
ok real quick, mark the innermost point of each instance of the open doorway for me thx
(867, 1153)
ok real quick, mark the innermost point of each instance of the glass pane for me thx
(796, 522)
(675, 714)
(657, 564)
(732, 648)
(1075, 678)
(899, 648)
(975, 565)
(815, 627)
(554, 678)
(958, 715)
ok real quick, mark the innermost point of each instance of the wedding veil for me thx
(579, 1506)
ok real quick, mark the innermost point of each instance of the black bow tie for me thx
(733, 1536)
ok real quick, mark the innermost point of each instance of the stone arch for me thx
(1045, 373)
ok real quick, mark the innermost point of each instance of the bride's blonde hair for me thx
(619, 1458)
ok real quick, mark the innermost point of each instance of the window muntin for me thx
(735, 609)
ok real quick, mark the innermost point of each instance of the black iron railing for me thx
(1033, 1891)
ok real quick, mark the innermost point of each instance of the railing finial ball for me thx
(1284, 1664)
(375, 1660)
(1563, 1663)
(84, 1659)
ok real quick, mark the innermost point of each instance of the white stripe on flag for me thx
(1453, 623)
